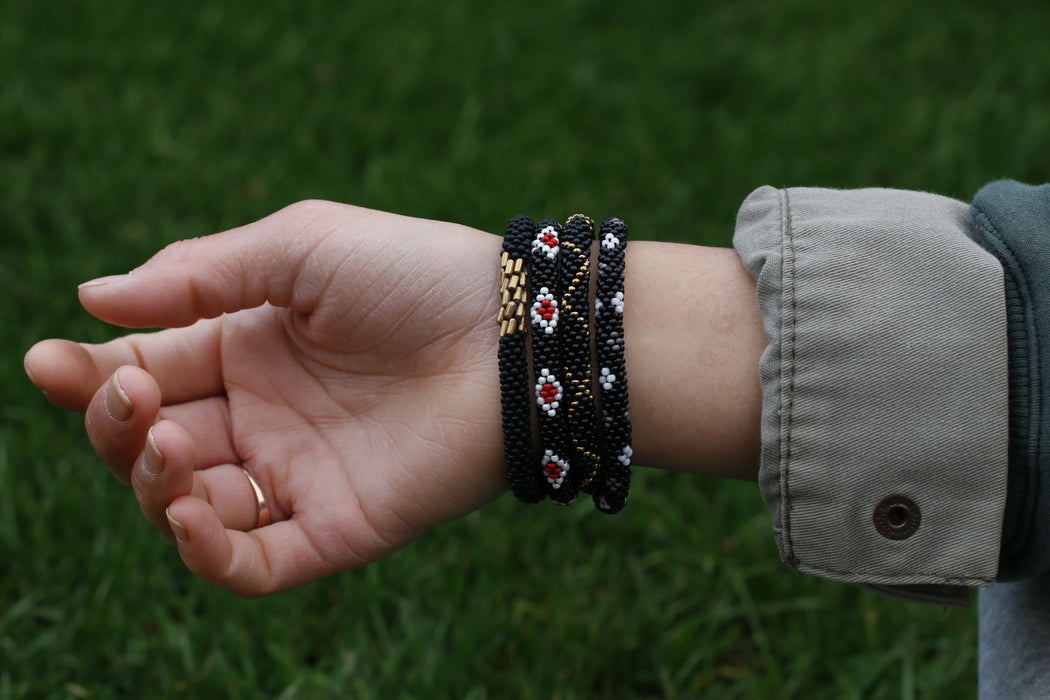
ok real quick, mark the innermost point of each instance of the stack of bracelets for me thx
(545, 291)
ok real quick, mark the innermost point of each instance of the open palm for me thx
(346, 358)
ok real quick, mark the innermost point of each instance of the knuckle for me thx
(177, 251)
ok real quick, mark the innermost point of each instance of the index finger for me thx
(185, 362)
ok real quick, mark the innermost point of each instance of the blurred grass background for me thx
(126, 125)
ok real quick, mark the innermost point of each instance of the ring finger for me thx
(166, 471)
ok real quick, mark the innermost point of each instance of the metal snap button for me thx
(897, 517)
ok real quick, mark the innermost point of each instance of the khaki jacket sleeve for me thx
(885, 387)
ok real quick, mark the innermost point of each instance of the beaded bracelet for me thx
(608, 314)
(513, 365)
(547, 360)
(576, 344)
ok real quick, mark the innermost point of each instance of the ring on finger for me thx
(262, 508)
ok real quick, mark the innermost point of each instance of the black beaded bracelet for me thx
(611, 494)
(524, 479)
(576, 344)
(548, 368)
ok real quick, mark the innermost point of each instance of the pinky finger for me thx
(251, 564)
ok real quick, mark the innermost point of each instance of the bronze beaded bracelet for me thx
(576, 343)
(513, 365)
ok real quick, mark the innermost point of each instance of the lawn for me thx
(127, 125)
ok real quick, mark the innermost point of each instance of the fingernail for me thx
(177, 528)
(29, 373)
(153, 460)
(102, 281)
(120, 409)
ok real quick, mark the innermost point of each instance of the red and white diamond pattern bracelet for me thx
(547, 354)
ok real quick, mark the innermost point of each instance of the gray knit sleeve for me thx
(884, 417)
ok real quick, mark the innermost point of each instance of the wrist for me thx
(693, 335)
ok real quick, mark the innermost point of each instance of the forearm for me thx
(693, 336)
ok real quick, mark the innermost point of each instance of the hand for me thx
(345, 357)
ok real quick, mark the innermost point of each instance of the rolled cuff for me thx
(885, 387)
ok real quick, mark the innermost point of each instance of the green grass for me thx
(126, 125)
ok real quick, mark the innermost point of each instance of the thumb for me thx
(279, 260)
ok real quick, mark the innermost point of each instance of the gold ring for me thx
(262, 508)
